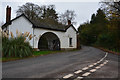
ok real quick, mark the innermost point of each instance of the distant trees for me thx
(103, 29)
(67, 15)
(49, 12)
(31, 10)
(45, 13)
(90, 31)
(112, 10)
(34, 11)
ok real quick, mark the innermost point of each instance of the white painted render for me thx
(63, 36)
(23, 25)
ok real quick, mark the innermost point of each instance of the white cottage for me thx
(47, 37)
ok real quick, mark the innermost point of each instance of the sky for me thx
(83, 8)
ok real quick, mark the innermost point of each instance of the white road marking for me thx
(67, 76)
(80, 77)
(86, 74)
(95, 63)
(106, 54)
(97, 67)
(101, 65)
(101, 59)
(90, 65)
(98, 61)
(93, 70)
(85, 68)
(79, 71)
(106, 61)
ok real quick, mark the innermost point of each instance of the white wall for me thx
(22, 25)
(71, 33)
(63, 36)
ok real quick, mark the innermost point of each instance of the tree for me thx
(107, 40)
(89, 32)
(93, 18)
(31, 10)
(67, 15)
(36, 12)
(111, 8)
(99, 18)
(50, 12)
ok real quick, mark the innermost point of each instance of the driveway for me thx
(66, 65)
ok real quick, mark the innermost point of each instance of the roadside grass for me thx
(114, 51)
(35, 54)
(39, 53)
(10, 59)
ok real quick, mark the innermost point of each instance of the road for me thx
(86, 63)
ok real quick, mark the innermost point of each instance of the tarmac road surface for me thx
(89, 62)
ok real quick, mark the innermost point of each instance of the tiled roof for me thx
(38, 24)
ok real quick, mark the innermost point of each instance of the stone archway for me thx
(49, 41)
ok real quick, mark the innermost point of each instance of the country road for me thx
(88, 62)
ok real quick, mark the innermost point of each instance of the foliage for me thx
(16, 46)
(107, 40)
(89, 31)
(88, 35)
(36, 12)
(103, 29)
(99, 17)
(31, 10)
(67, 15)
(112, 8)
(45, 13)
(50, 13)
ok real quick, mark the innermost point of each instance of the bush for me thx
(16, 47)
(107, 40)
(88, 35)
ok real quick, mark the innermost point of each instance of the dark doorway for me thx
(49, 41)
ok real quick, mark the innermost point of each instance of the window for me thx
(70, 42)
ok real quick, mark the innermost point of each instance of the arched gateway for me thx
(49, 41)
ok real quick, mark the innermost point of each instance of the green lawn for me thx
(35, 53)
(9, 59)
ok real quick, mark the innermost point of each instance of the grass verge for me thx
(35, 54)
(109, 51)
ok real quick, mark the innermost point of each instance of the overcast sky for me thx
(83, 8)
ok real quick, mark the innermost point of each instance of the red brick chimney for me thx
(69, 22)
(8, 14)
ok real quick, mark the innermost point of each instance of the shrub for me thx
(107, 40)
(16, 46)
